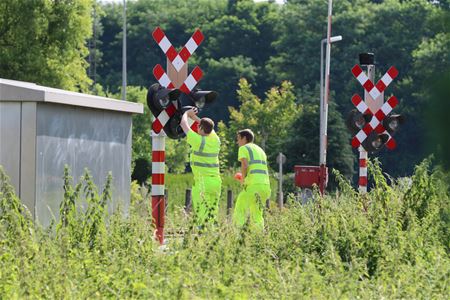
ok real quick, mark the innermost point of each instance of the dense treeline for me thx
(265, 43)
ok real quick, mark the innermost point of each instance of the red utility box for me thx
(307, 176)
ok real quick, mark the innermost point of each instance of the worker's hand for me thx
(192, 112)
(238, 177)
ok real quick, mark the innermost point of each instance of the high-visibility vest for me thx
(205, 159)
(257, 172)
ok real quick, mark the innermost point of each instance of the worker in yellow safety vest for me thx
(204, 158)
(255, 180)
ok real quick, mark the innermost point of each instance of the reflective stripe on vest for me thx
(258, 171)
(204, 154)
(199, 164)
(255, 161)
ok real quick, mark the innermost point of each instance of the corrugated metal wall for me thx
(81, 138)
(10, 120)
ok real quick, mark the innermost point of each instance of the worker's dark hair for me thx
(207, 125)
(248, 134)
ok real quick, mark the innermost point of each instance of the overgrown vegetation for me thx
(391, 243)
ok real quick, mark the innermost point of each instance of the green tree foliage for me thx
(437, 117)
(95, 55)
(231, 69)
(45, 42)
(178, 19)
(389, 29)
(270, 119)
(247, 31)
(302, 148)
(269, 43)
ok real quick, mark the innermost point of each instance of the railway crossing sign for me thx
(178, 60)
(167, 105)
(372, 123)
(374, 126)
(375, 123)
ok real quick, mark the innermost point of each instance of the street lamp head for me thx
(336, 38)
(333, 39)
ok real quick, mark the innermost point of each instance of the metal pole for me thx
(95, 43)
(124, 52)
(323, 154)
(322, 121)
(280, 180)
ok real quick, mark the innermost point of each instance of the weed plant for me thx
(391, 243)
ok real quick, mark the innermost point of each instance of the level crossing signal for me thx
(168, 106)
(356, 121)
(168, 103)
(373, 129)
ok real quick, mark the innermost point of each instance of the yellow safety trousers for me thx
(205, 199)
(250, 205)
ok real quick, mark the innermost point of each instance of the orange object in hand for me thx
(238, 176)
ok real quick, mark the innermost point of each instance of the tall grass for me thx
(391, 243)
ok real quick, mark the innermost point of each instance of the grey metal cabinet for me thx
(42, 129)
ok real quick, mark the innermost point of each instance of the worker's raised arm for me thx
(191, 113)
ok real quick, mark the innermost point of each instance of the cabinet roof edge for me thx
(12, 90)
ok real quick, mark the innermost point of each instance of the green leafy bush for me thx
(391, 243)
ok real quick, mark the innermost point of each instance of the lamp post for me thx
(324, 101)
(322, 43)
(124, 52)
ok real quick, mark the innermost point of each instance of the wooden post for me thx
(188, 201)
(229, 201)
(166, 198)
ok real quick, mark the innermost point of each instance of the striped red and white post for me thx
(362, 182)
(158, 171)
